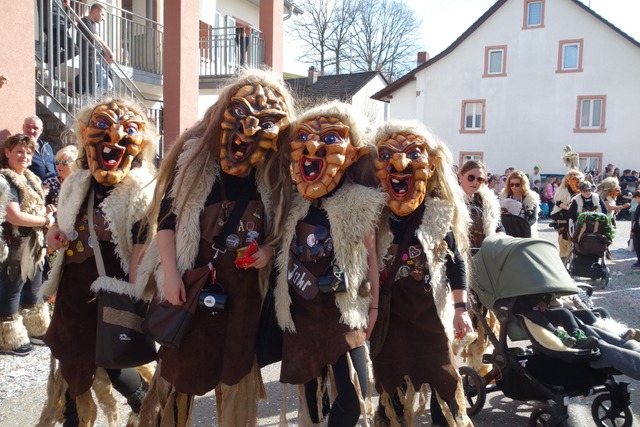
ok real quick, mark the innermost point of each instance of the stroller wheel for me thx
(544, 417)
(474, 389)
(606, 414)
(604, 280)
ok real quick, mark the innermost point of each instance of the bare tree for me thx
(385, 37)
(368, 35)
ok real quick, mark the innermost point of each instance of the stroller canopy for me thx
(507, 267)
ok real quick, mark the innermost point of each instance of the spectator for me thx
(61, 42)
(548, 192)
(624, 198)
(24, 317)
(517, 189)
(586, 201)
(635, 231)
(43, 160)
(65, 164)
(535, 176)
(93, 74)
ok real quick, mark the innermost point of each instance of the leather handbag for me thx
(120, 341)
(167, 323)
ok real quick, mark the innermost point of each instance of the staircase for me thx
(64, 89)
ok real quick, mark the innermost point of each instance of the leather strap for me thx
(96, 244)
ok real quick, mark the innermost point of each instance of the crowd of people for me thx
(359, 233)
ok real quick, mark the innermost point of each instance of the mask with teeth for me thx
(320, 155)
(112, 140)
(403, 169)
(256, 116)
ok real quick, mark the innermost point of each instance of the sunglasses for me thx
(472, 178)
(514, 184)
(63, 162)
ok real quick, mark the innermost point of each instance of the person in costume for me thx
(23, 315)
(569, 187)
(327, 283)
(212, 201)
(424, 236)
(484, 211)
(118, 144)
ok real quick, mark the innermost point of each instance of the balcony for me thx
(224, 49)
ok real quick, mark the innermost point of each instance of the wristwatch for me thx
(463, 305)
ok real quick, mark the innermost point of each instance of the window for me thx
(473, 116)
(570, 56)
(495, 61)
(465, 156)
(590, 114)
(589, 161)
(533, 14)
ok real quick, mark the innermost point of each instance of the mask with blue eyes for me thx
(112, 140)
(320, 155)
(403, 167)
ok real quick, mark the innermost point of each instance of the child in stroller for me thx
(505, 269)
(539, 309)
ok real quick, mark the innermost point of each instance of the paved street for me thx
(23, 380)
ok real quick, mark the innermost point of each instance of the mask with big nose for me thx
(112, 140)
(403, 168)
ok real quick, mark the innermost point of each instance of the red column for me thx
(271, 24)
(181, 67)
(17, 62)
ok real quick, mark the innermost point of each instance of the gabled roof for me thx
(384, 93)
(341, 87)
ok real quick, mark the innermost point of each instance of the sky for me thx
(443, 21)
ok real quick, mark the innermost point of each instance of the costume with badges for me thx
(325, 288)
(422, 234)
(214, 203)
(118, 146)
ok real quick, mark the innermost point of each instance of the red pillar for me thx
(271, 24)
(17, 62)
(181, 67)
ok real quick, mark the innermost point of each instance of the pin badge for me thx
(79, 246)
(233, 241)
(69, 252)
(414, 252)
(404, 271)
(90, 242)
(251, 236)
(311, 240)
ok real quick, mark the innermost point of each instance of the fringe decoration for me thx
(155, 401)
(53, 408)
(178, 410)
(239, 403)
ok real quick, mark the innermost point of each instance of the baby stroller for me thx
(515, 225)
(505, 268)
(592, 235)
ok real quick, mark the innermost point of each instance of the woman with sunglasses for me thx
(65, 164)
(517, 188)
(482, 202)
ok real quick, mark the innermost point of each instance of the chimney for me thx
(422, 57)
(313, 76)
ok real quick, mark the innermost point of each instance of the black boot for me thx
(135, 399)
(70, 412)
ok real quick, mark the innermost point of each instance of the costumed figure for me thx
(118, 145)
(24, 317)
(212, 201)
(327, 283)
(484, 211)
(516, 198)
(569, 187)
(425, 238)
(570, 159)
(609, 190)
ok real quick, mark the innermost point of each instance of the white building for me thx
(526, 79)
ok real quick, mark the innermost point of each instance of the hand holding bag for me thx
(120, 342)
(166, 323)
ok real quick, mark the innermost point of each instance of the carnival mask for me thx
(403, 168)
(112, 140)
(250, 128)
(574, 183)
(320, 155)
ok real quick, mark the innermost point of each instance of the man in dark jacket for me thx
(43, 159)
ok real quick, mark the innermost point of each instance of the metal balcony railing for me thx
(72, 70)
(224, 49)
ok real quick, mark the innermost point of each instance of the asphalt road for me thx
(23, 380)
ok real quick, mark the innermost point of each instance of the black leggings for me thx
(345, 410)
(553, 317)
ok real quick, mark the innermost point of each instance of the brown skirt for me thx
(416, 344)
(72, 333)
(218, 348)
(319, 341)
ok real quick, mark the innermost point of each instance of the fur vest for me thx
(4, 197)
(563, 195)
(595, 199)
(123, 207)
(436, 223)
(199, 177)
(31, 201)
(490, 210)
(353, 211)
